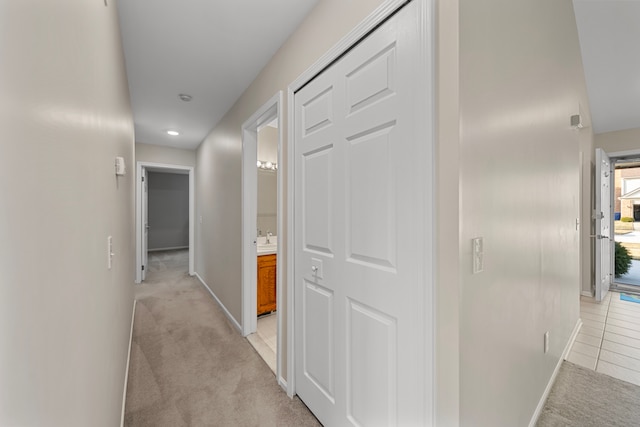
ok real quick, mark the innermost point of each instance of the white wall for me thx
(447, 291)
(521, 79)
(65, 115)
(268, 144)
(218, 170)
(268, 181)
(167, 155)
(267, 220)
(622, 140)
(168, 202)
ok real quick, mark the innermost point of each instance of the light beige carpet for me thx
(581, 397)
(189, 365)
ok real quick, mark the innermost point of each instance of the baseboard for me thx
(552, 380)
(126, 372)
(171, 248)
(572, 339)
(587, 294)
(283, 383)
(226, 312)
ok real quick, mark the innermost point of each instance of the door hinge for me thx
(143, 179)
(143, 268)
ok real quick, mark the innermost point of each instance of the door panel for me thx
(604, 241)
(317, 112)
(371, 81)
(318, 338)
(371, 199)
(317, 182)
(360, 210)
(372, 340)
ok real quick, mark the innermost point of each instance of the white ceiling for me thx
(213, 49)
(609, 33)
(209, 49)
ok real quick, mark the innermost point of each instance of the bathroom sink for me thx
(265, 248)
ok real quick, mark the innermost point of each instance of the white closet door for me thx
(362, 279)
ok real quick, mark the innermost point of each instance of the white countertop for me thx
(265, 248)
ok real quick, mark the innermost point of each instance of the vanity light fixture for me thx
(267, 165)
(173, 132)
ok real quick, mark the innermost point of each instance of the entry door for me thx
(362, 180)
(604, 241)
(145, 223)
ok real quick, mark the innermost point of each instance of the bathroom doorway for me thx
(264, 340)
(261, 225)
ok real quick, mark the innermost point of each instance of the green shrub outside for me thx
(622, 261)
(626, 219)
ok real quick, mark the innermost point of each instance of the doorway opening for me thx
(626, 223)
(164, 238)
(261, 230)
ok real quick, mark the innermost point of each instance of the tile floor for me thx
(609, 340)
(265, 339)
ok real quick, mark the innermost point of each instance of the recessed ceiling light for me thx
(173, 132)
(184, 97)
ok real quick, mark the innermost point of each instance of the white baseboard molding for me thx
(226, 312)
(552, 380)
(171, 248)
(126, 372)
(572, 339)
(283, 383)
(587, 294)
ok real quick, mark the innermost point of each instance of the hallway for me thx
(190, 367)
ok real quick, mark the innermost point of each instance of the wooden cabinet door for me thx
(266, 283)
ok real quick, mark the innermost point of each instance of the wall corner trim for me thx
(283, 385)
(552, 380)
(226, 312)
(126, 371)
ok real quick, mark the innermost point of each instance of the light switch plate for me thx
(121, 169)
(477, 250)
(109, 252)
(546, 341)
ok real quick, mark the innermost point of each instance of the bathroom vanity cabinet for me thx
(267, 283)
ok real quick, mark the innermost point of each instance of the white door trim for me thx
(140, 226)
(603, 222)
(272, 109)
(426, 128)
(615, 157)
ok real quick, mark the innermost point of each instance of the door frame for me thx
(270, 110)
(168, 168)
(427, 127)
(599, 159)
(615, 157)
